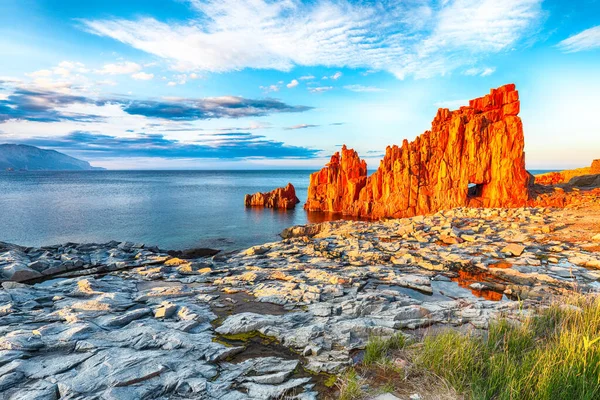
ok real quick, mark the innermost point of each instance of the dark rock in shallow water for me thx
(193, 253)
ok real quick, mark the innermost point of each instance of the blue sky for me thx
(193, 84)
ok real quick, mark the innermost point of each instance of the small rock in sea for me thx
(189, 254)
(283, 197)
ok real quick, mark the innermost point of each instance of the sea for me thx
(169, 209)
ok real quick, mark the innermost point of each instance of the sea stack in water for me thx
(471, 157)
(284, 197)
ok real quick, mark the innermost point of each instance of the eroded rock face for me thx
(471, 157)
(554, 178)
(284, 197)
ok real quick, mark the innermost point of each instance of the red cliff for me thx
(279, 198)
(471, 157)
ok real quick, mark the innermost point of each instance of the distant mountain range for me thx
(31, 158)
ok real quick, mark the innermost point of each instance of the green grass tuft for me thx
(378, 347)
(350, 386)
(555, 355)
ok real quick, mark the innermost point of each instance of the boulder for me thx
(190, 254)
(513, 249)
(585, 181)
(284, 198)
(18, 272)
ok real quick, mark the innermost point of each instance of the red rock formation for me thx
(544, 196)
(337, 186)
(553, 178)
(480, 146)
(279, 198)
(549, 178)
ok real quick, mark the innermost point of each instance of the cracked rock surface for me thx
(124, 321)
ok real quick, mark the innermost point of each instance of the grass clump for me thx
(350, 386)
(378, 348)
(555, 355)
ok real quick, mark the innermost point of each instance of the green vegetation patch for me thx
(378, 348)
(350, 385)
(555, 355)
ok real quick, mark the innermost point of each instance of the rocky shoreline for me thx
(120, 320)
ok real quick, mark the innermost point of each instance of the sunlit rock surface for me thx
(471, 157)
(284, 198)
(553, 178)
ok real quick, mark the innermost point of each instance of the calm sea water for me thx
(171, 209)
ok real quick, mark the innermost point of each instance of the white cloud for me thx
(307, 78)
(586, 40)
(270, 88)
(432, 39)
(300, 126)
(172, 83)
(42, 73)
(486, 71)
(336, 76)
(121, 68)
(143, 76)
(292, 84)
(63, 69)
(361, 88)
(106, 82)
(320, 89)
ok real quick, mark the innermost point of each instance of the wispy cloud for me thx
(361, 88)
(300, 126)
(320, 89)
(63, 69)
(120, 68)
(270, 88)
(397, 37)
(484, 71)
(251, 127)
(586, 40)
(42, 106)
(142, 76)
(93, 145)
(209, 108)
